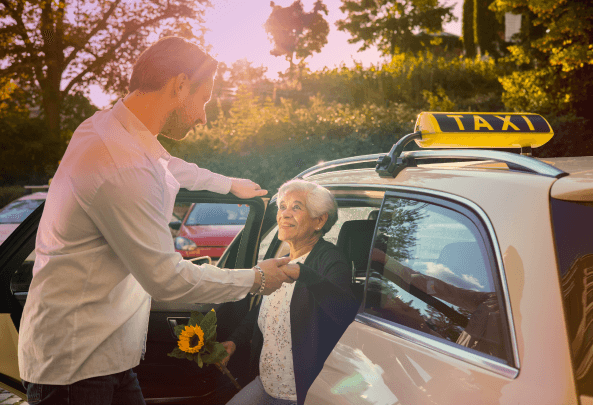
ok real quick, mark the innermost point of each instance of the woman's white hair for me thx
(319, 200)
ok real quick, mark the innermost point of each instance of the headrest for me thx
(355, 240)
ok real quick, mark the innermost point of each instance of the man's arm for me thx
(192, 177)
(128, 211)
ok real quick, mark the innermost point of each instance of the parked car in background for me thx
(15, 212)
(473, 267)
(208, 228)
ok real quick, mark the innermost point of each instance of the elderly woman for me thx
(294, 330)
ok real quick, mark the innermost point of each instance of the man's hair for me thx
(167, 58)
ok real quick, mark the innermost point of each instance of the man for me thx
(104, 247)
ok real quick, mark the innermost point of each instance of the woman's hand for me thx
(230, 349)
(292, 271)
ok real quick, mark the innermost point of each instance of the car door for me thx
(434, 325)
(163, 379)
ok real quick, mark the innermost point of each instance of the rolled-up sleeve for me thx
(128, 210)
(192, 177)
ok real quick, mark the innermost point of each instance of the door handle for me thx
(173, 322)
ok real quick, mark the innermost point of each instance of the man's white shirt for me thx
(104, 248)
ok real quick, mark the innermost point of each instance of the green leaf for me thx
(198, 359)
(208, 324)
(209, 346)
(177, 353)
(210, 335)
(195, 318)
(189, 356)
(217, 354)
(178, 329)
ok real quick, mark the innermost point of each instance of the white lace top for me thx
(275, 363)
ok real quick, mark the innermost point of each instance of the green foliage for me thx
(391, 25)
(54, 48)
(212, 351)
(469, 44)
(196, 318)
(29, 153)
(403, 80)
(439, 101)
(270, 144)
(177, 353)
(295, 33)
(10, 193)
(553, 58)
(487, 29)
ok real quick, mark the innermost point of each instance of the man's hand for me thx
(292, 271)
(230, 349)
(274, 275)
(245, 188)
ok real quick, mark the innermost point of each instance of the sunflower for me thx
(191, 339)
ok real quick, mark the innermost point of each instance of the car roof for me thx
(575, 182)
(578, 185)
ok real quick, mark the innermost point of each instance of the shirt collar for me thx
(138, 130)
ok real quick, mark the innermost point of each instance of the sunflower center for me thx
(194, 341)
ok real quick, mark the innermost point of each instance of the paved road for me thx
(7, 398)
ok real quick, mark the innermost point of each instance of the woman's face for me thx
(294, 223)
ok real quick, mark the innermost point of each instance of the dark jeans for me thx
(121, 388)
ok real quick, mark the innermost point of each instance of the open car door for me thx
(163, 379)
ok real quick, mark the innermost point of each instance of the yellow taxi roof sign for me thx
(482, 130)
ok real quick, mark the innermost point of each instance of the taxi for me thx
(473, 266)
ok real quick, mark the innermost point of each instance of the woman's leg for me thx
(252, 394)
(255, 394)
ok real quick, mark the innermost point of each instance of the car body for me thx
(15, 212)
(473, 267)
(208, 228)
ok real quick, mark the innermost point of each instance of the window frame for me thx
(485, 228)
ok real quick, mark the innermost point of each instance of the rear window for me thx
(573, 224)
(17, 211)
(218, 214)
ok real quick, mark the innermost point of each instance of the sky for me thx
(236, 32)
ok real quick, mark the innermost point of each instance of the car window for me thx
(574, 248)
(218, 214)
(17, 211)
(344, 214)
(430, 272)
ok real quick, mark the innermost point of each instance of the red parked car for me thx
(207, 229)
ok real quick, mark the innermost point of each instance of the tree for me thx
(295, 33)
(482, 31)
(391, 24)
(488, 31)
(244, 74)
(57, 48)
(469, 45)
(552, 62)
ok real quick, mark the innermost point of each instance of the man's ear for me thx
(180, 87)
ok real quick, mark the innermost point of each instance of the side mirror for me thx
(175, 225)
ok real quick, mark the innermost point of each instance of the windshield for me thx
(218, 214)
(17, 211)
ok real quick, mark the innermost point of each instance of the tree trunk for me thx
(469, 45)
(53, 33)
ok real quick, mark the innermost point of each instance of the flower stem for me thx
(226, 372)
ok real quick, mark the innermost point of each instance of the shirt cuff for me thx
(244, 278)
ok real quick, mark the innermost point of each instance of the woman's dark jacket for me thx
(321, 309)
